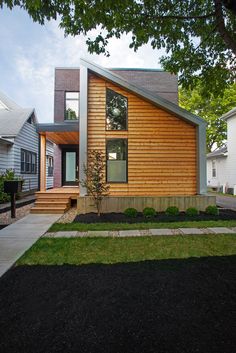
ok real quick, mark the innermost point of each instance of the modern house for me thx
(155, 150)
(221, 164)
(19, 144)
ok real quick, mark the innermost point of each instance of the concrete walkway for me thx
(226, 201)
(142, 232)
(20, 236)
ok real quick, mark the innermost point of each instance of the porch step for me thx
(53, 201)
(48, 210)
(45, 203)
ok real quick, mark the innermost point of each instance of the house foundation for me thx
(159, 203)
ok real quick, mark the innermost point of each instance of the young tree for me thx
(211, 109)
(95, 179)
(199, 37)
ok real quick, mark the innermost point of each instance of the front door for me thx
(70, 167)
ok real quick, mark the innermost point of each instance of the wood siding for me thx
(161, 147)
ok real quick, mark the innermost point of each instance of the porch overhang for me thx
(60, 133)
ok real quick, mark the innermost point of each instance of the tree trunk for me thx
(220, 25)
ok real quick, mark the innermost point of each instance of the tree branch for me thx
(176, 17)
(220, 24)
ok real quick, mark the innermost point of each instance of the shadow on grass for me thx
(152, 306)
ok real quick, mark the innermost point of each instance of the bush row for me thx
(149, 212)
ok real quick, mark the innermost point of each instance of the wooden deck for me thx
(56, 200)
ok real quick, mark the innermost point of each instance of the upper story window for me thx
(116, 111)
(72, 106)
(28, 162)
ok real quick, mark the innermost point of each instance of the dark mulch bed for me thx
(170, 306)
(224, 214)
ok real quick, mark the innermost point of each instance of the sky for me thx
(30, 52)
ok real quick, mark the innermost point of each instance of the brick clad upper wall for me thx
(161, 83)
(65, 80)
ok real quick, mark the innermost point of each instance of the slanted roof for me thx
(11, 122)
(221, 152)
(8, 102)
(13, 117)
(229, 114)
(156, 81)
(153, 98)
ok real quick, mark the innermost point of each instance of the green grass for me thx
(56, 227)
(77, 251)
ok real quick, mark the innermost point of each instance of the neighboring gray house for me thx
(19, 144)
(221, 164)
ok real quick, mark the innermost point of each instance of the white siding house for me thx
(221, 164)
(19, 143)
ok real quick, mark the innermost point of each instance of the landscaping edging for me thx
(19, 203)
(142, 232)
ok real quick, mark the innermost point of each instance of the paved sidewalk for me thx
(20, 236)
(226, 201)
(142, 232)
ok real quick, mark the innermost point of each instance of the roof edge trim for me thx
(157, 100)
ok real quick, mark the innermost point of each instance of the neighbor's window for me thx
(72, 106)
(50, 165)
(117, 160)
(116, 111)
(28, 162)
(213, 169)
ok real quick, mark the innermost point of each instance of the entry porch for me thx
(65, 137)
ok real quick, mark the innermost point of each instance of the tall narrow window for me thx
(33, 163)
(117, 161)
(72, 106)
(116, 111)
(213, 169)
(23, 161)
(50, 165)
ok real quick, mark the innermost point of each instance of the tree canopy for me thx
(199, 37)
(210, 108)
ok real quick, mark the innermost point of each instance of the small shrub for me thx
(192, 211)
(131, 212)
(172, 211)
(8, 174)
(212, 210)
(149, 212)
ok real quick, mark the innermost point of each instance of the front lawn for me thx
(77, 251)
(56, 227)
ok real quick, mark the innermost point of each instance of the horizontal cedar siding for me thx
(161, 147)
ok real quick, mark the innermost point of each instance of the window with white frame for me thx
(213, 169)
(28, 162)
